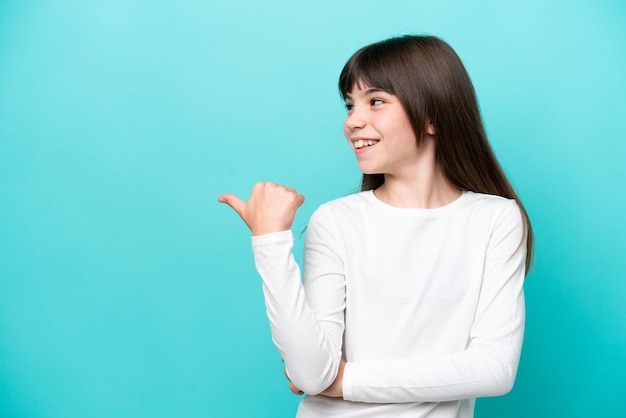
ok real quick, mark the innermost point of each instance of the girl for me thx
(412, 303)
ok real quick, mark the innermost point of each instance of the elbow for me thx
(499, 370)
(314, 383)
(502, 380)
(504, 386)
(312, 388)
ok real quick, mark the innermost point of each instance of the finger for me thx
(287, 188)
(299, 199)
(234, 202)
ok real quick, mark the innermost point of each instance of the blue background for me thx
(126, 290)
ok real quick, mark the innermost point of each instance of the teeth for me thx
(363, 143)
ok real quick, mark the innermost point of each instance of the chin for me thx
(368, 170)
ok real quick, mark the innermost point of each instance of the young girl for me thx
(412, 303)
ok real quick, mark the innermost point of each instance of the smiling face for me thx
(379, 131)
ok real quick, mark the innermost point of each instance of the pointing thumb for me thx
(234, 202)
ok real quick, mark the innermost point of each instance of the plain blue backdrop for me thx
(126, 290)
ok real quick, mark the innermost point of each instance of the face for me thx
(379, 131)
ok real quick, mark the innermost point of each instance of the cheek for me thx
(346, 131)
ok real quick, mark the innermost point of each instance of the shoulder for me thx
(491, 212)
(487, 200)
(331, 218)
(501, 216)
(491, 204)
(350, 204)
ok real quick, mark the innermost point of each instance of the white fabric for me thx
(425, 305)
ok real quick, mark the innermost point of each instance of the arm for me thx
(307, 332)
(487, 367)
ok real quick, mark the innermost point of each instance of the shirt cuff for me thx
(281, 237)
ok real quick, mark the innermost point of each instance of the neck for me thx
(419, 193)
(423, 186)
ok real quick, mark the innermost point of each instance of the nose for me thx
(354, 120)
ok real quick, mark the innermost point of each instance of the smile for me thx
(362, 143)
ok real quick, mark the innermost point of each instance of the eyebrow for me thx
(368, 92)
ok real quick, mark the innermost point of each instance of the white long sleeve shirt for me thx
(426, 306)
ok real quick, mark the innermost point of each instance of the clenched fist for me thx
(270, 208)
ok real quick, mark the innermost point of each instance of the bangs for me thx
(365, 69)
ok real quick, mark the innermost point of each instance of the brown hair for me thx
(433, 86)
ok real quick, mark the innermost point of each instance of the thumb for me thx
(234, 202)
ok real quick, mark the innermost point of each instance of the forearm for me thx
(311, 348)
(476, 372)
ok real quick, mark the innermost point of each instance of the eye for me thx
(349, 106)
(376, 102)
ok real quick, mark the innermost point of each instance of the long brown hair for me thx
(433, 86)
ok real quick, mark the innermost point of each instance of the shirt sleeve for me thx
(487, 367)
(306, 320)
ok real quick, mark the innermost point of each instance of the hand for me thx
(335, 390)
(270, 208)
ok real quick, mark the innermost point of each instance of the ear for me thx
(430, 129)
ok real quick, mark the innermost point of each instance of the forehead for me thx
(362, 83)
(362, 89)
(358, 85)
